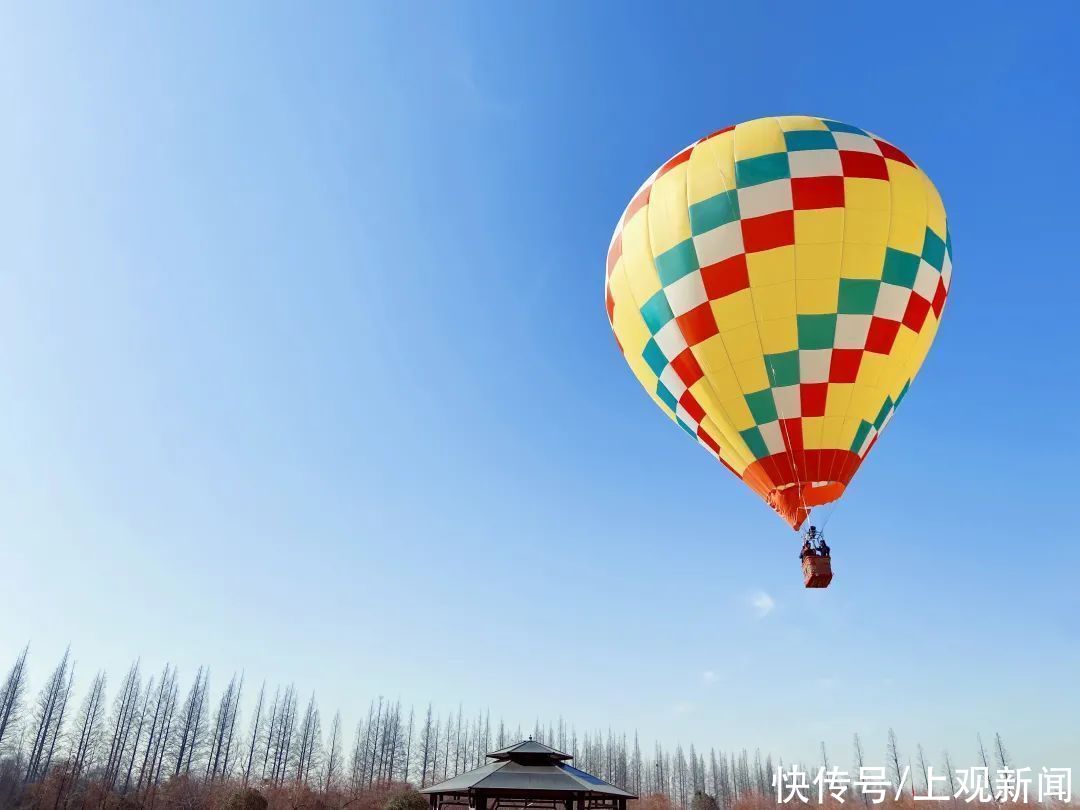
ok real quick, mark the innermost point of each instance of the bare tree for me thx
(923, 769)
(458, 747)
(87, 732)
(226, 765)
(406, 760)
(984, 758)
(139, 726)
(157, 733)
(859, 765)
(951, 775)
(1000, 753)
(307, 743)
(165, 731)
(254, 732)
(283, 736)
(373, 740)
(48, 719)
(190, 728)
(58, 732)
(270, 729)
(125, 707)
(391, 738)
(84, 736)
(893, 754)
(446, 746)
(333, 754)
(728, 781)
(11, 695)
(220, 735)
(357, 762)
(426, 744)
(435, 750)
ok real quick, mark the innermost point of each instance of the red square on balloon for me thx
(916, 312)
(686, 366)
(812, 397)
(882, 335)
(891, 152)
(817, 192)
(863, 164)
(844, 366)
(692, 406)
(698, 324)
(791, 430)
(939, 298)
(768, 232)
(725, 277)
(709, 441)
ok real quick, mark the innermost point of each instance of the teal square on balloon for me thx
(676, 262)
(805, 139)
(838, 126)
(860, 435)
(883, 414)
(754, 441)
(714, 212)
(666, 396)
(654, 357)
(656, 312)
(900, 268)
(858, 296)
(816, 331)
(783, 368)
(762, 406)
(933, 251)
(763, 169)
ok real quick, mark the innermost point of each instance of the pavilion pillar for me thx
(481, 802)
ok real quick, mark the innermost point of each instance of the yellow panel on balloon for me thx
(711, 168)
(819, 226)
(762, 136)
(866, 194)
(817, 296)
(669, 220)
(790, 123)
(818, 261)
(637, 260)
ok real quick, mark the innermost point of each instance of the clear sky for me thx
(305, 369)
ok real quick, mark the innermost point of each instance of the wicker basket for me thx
(817, 571)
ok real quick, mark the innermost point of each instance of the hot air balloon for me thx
(775, 287)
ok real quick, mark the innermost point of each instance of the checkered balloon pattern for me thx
(775, 288)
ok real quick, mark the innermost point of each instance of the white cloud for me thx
(762, 603)
(683, 708)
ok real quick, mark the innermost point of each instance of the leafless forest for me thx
(156, 739)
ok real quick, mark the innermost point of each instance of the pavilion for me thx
(527, 774)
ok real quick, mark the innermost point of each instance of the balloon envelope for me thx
(775, 288)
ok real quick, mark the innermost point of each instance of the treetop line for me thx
(155, 729)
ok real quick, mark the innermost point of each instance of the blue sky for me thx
(306, 370)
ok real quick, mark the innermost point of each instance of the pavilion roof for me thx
(529, 767)
(528, 748)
